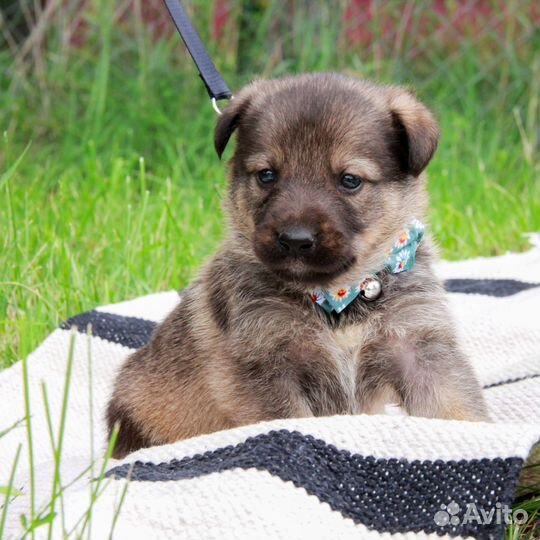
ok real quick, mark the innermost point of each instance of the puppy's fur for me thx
(247, 343)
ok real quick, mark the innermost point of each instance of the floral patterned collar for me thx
(401, 258)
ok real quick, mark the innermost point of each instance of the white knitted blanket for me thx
(343, 477)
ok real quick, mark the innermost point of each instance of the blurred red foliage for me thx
(446, 20)
(364, 21)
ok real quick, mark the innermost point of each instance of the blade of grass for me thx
(3, 516)
(118, 508)
(91, 412)
(29, 439)
(12, 170)
(58, 447)
(12, 427)
(95, 492)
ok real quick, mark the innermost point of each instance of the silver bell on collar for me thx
(370, 289)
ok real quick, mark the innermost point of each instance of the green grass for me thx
(119, 191)
(110, 187)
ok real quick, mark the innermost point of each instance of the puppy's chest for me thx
(350, 339)
(345, 346)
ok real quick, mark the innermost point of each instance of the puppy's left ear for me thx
(416, 128)
(231, 116)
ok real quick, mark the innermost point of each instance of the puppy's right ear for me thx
(228, 121)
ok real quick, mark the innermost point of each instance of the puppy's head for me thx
(326, 172)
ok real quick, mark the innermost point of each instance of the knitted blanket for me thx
(390, 476)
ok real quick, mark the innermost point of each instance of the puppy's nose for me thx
(297, 241)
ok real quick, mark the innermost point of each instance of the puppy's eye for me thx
(350, 182)
(267, 177)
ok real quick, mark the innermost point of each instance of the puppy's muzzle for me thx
(296, 241)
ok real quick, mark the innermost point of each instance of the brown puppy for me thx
(327, 172)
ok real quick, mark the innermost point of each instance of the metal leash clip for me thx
(215, 105)
(213, 81)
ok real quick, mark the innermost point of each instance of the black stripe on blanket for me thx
(488, 287)
(388, 495)
(130, 332)
(512, 381)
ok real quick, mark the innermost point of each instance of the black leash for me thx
(215, 85)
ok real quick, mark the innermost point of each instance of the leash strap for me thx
(215, 85)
